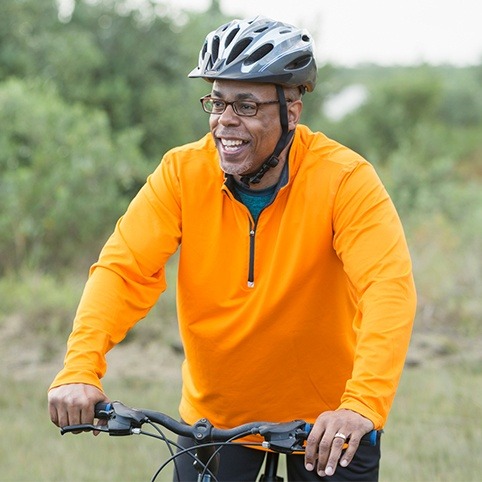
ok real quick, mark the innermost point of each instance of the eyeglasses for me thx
(244, 108)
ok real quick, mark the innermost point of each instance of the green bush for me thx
(64, 177)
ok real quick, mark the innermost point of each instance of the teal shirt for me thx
(255, 201)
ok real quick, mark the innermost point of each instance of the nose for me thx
(228, 117)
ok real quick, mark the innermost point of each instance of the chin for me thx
(233, 169)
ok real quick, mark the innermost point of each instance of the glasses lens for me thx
(213, 106)
(245, 108)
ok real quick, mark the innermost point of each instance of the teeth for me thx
(231, 142)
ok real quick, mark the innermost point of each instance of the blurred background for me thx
(93, 93)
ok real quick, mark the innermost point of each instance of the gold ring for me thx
(340, 435)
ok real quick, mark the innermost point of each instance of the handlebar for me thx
(284, 437)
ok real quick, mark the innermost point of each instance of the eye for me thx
(247, 108)
(217, 105)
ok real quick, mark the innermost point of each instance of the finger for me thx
(324, 450)
(63, 418)
(334, 455)
(53, 414)
(74, 417)
(87, 413)
(101, 423)
(53, 409)
(311, 449)
(349, 453)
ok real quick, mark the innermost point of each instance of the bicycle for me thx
(208, 441)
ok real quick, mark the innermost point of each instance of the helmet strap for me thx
(283, 141)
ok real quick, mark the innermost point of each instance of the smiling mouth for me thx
(232, 145)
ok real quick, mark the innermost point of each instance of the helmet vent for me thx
(299, 63)
(259, 54)
(204, 50)
(238, 49)
(215, 49)
(261, 29)
(230, 37)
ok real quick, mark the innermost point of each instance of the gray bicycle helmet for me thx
(259, 50)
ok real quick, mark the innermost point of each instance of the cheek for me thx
(268, 135)
(213, 121)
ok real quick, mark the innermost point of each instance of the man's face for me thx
(244, 143)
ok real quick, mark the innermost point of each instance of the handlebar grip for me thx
(373, 437)
(370, 438)
(103, 410)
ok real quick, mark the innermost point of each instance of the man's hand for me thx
(327, 440)
(74, 404)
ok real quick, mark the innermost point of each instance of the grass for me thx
(434, 432)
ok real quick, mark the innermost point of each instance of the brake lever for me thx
(286, 437)
(85, 427)
(121, 420)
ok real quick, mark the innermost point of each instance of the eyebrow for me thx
(240, 96)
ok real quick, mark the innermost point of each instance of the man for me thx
(295, 292)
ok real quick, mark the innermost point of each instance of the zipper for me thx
(252, 234)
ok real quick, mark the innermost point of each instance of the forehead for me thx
(237, 89)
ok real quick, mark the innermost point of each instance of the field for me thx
(433, 434)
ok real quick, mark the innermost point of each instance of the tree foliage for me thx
(133, 66)
(413, 130)
(63, 175)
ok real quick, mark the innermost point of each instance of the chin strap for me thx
(283, 141)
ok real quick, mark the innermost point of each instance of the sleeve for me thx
(369, 239)
(127, 279)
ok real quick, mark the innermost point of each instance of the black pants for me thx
(242, 464)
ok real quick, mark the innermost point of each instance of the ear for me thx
(294, 113)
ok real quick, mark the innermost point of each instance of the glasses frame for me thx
(235, 105)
